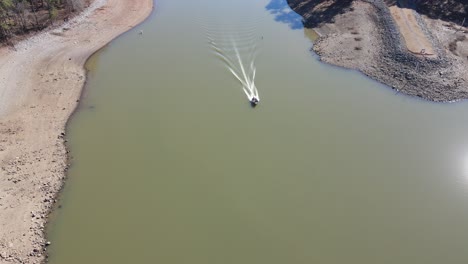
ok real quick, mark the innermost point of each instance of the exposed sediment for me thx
(40, 85)
(364, 36)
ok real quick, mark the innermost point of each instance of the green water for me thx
(172, 165)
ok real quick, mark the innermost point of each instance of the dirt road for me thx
(415, 39)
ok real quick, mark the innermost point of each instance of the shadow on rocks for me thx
(319, 11)
(447, 10)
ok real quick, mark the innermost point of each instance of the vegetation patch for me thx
(19, 17)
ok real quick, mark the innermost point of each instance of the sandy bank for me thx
(385, 42)
(40, 84)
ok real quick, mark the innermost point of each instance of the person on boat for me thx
(254, 101)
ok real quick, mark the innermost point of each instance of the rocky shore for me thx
(40, 86)
(364, 36)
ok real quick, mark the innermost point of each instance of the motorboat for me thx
(254, 101)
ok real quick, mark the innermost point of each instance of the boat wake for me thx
(237, 50)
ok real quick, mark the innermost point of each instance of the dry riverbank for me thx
(40, 84)
(384, 41)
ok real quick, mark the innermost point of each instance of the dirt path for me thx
(415, 39)
(40, 85)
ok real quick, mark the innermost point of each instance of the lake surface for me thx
(171, 164)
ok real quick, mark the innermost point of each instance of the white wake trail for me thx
(248, 82)
(238, 59)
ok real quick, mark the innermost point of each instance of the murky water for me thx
(172, 165)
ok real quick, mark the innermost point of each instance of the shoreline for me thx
(41, 84)
(368, 36)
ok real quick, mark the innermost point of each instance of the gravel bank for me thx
(366, 38)
(40, 85)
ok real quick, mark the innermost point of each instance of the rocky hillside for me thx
(323, 11)
(387, 41)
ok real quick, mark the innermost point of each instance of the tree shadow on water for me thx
(284, 14)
